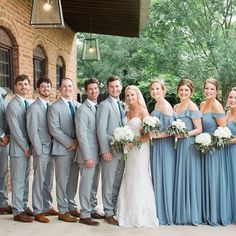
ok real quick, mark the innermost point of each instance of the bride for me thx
(136, 202)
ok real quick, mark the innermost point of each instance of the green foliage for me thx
(195, 39)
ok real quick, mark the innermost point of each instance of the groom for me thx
(110, 114)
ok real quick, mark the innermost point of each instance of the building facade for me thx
(34, 52)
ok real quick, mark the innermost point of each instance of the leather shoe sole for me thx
(88, 221)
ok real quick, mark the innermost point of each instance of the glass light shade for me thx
(90, 49)
(47, 14)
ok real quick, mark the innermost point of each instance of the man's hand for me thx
(74, 145)
(27, 152)
(89, 163)
(107, 156)
(5, 140)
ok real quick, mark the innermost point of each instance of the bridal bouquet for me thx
(221, 136)
(203, 142)
(121, 137)
(177, 127)
(151, 124)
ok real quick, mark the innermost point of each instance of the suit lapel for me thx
(113, 105)
(41, 105)
(89, 106)
(19, 100)
(65, 108)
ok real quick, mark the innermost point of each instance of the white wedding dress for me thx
(136, 202)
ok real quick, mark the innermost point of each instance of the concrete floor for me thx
(8, 227)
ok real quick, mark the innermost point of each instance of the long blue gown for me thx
(214, 179)
(163, 167)
(187, 192)
(231, 161)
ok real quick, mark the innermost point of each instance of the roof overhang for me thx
(111, 17)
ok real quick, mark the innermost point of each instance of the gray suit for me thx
(20, 165)
(41, 141)
(62, 128)
(85, 123)
(108, 118)
(4, 152)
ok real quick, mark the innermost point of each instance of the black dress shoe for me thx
(98, 216)
(28, 212)
(88, 221)
(6, 210)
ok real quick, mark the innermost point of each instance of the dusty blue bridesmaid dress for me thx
(215, 193)
(231, 161)
(163, 167)
(187, 192)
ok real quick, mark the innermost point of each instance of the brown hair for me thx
(187, 82)
(43, 79)
(90, 81)
(113, 78)
(211, 81)
(161, 82)
(22, 78)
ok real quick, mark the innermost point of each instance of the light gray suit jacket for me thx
(108, 118)
(16, 117)
(37, 128)
(85, 123)
(62, 127)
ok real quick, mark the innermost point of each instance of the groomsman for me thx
(110, 114)
(87, 155)
(5, 208)
(41, 142)
(19, 150)
(62, 128)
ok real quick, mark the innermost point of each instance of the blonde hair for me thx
(159, 81)
(212, 81)
(141, 100)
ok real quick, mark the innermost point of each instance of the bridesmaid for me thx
(187, 197)
(214, 177)
(162, 155)
(231, 160)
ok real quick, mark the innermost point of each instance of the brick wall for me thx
(14, 19)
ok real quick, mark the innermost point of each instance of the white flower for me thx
(222, 132)
(203, 139)
(179, 124)
(124, 134)
(151, 121)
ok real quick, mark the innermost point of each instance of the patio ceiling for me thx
(111, 17)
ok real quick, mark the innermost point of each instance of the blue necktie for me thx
(72, 111)
(96, 107)
(26, 104)
(120, 110)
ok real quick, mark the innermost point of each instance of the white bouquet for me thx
(177, 127)
(121, 137)
(203, 142)
(151, 124)
(221, 136)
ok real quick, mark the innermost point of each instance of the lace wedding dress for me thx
(136, 202)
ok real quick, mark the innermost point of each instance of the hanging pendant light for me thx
(47, 14)
(91, 49)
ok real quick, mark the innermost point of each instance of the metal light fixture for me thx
(91, 49)
(47, 14)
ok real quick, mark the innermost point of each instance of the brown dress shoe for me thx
(98, 216)
(41, 218)
(67, 217)
(111, 220)
(75, 213)
(28, 212)
(6, 210)
(22, 217)
(51, 212)
(88, 221)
